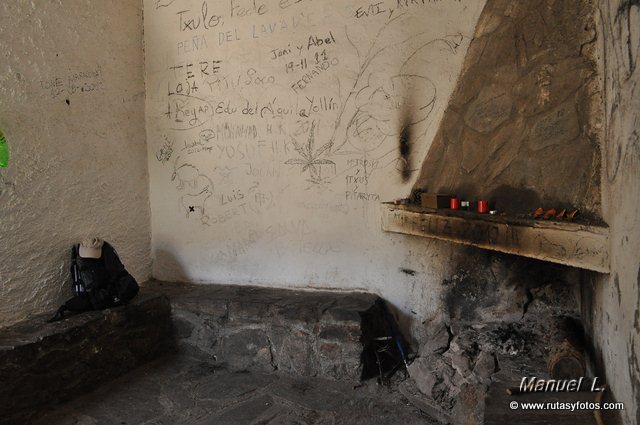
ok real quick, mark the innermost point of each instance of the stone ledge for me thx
(43, 363)
(571, 244)
(307, 333)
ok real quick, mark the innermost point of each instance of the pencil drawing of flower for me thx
(311, 158)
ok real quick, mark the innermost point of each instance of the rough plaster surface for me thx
(522, 128)
(614, 307)
(72, 109)
(276, 128)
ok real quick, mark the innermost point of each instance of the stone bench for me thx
(43, 363)
(238, 327)
(307, 333)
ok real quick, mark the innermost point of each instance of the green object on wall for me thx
(4, 151)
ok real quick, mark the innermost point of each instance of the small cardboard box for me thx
(434, 200)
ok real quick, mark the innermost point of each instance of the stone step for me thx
(44, 363)
(306, 333)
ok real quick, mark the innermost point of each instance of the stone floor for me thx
(184, 390)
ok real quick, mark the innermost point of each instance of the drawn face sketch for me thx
(381, 105)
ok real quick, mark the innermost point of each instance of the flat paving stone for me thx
(184, 390)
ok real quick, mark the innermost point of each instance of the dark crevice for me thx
(448, 328)
(385, 349)
(525, 307)
(496, 363)
(272, 358)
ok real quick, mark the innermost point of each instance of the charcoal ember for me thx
(554, 297)
(511, 340)
(445, 390)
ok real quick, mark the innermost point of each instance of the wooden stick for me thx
(566, 359)
(597, 414)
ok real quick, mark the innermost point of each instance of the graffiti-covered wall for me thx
(276, 127)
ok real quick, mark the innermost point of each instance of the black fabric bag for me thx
(385, 349)
(98, 283)
(92, 279)
(121, 286)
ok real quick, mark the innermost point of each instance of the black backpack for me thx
(104, 281)
(97, 283)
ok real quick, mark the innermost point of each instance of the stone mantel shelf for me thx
(567, 243)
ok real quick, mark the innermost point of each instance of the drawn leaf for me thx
(296, 146)
(322, 149)
(324, 162)
(300, 149)
(314, 171)
(311, 137)
(295, 161)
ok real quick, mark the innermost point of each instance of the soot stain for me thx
(408, 271)
(636, 322)
(404, 145)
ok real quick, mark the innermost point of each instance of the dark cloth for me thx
(106, 283)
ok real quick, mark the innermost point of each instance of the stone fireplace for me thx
(528, 125)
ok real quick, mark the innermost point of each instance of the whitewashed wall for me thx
(273, 134)
(614, 310)
(72, 109)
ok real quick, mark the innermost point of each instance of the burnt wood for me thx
(566, 343)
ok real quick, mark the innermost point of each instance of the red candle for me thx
(454, 203)
(483, 206)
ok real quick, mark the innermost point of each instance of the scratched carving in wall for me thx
(268, 103)
(194, 188)
(73, 83)
(311, 158)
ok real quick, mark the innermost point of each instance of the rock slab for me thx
(43, 363)
(303, 333)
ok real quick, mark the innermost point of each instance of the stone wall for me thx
(522, 126)
(307, 333)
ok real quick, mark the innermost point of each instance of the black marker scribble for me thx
(196, 187)
(376, 98)
(163, 3)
